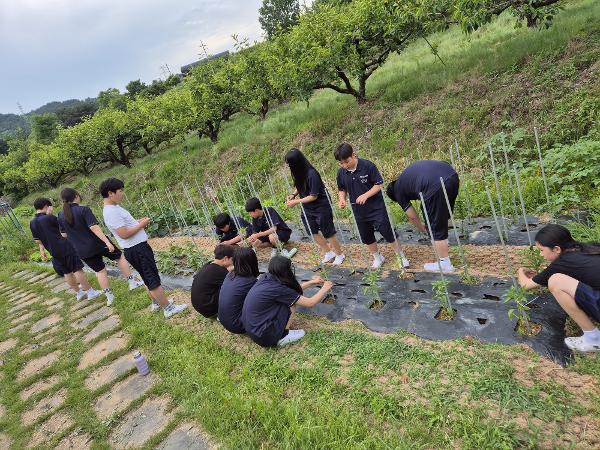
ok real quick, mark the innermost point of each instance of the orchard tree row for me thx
(335, 44)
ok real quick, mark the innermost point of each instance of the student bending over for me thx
(226, 229)
(573, 277)
(236, 285)
(316, 213)
(79, 225)
(45, 231)
(208, 280)
(132, 237)
(268, 305)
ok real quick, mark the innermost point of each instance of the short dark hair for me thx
(110, 185)
(221, 220)
(41, 203)
(252, 204)
(223, 250)
(389, 190)
(343, 151)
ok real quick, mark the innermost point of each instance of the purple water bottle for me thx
(141, 363)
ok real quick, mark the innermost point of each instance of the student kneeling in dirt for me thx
(573, 277)
(268, 305)
(424, 177)
(227, 231)
(208, 280)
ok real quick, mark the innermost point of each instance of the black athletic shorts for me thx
(141, 258)
(96, 263)
(437, 209)
(367, 227)
(322, 222)
(588, 299)
(64, 265)
(282, 235)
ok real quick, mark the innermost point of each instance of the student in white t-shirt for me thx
(131, 236)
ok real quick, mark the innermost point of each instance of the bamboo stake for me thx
(498, 192)
(505, 250)
(523, 206)
(509, 174)
(437, 256)
(162, 211)
(461, 250)
(539, 149)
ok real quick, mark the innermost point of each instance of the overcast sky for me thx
(62, 49)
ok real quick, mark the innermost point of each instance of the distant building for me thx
(185, 69)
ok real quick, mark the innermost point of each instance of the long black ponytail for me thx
(281, 268)
(299, 167)
(553, 235)
(68, 196)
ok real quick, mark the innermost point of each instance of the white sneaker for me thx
(93, 293)
(173, 309)
(134, 283)
(289, 253)
(581, 345)
(273, 252)
(79, 296)
(339, 259)
(156, 307)
(292, 336)
(328, 257)
(378, 261)
(110, 298)
(435, 267)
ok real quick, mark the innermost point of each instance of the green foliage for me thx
(180, 260)
(573, 171)
(518, 295)
(45, 127)
(371, 288)
(278, 16)
(15, 247)
(533, 259)
(440, 293)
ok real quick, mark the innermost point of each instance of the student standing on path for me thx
(312, 197)
(226, 228)
(81, 228)
(573, 278)
(208, 280)
(235, 287)
(45, 231)
(268, 305)
(360, 179)
(132, 237)
(424, 176)
(263, 234)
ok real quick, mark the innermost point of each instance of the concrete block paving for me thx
(116, 381)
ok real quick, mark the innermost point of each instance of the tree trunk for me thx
(212, 131)
(147, 148)
(531, 20)
(362, 89)
(264, 109)
(123, 157)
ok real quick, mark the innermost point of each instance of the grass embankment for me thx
(341, 387)
(500, 78)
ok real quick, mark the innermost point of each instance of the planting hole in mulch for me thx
(444, 315)
(533, 329)
(457, 294)
(491, 297)
(481, 321)
(330, 299)
(420, 291)
(377, 305)
(413, 305)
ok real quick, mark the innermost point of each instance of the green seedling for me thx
(440, 293)
(533, 259)
(518, 295)
(371, 281)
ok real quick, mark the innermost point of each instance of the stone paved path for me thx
(41, 323)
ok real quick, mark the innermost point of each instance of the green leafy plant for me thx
(518, 295)
(440, 293)
(371, 288)
(533, 259)
(179, 260)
